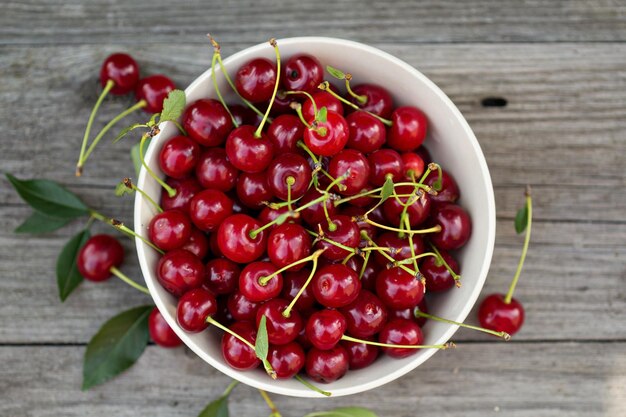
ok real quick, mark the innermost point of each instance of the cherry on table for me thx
(179, 271)
(326, 366)
(235, 241)
(193, 309)
(366, 315)
(325, 328)
(289, 175)
(285, 131)
(329, 137)
(355, 166)
(123, 70)
(207, 122)
(335, 285)
(248, 152)
(179, 156)
(250, 283)
(496, 314)
(456, 226)
(437, 276)
(367, 133)
(154, 89)
(214, 170)
(160, 331)
(186, 188)
(255, 80)
(209, 208)
(377, 99)
(236, 353)
(401, 332)
(99, 254)
(384, 163)
(222, 276)
(280, 329)
(286, 360)
(170, 229)
(408, 129)
(302, 73)
(398, 289)
(288, 243)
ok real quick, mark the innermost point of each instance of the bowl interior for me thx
(451, 143)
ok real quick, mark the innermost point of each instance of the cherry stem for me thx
(362, 99)
(309, 96)
(366, 258)
(332, 242)
(264, 280)
(529, 208)
(282, 218)
(503, 335)
(270, 404)
(325, 86)
(457, 277)
(368, 342)
(122, 228)
(170, 191)
(312, 387)
(434, 229)
(105, 91)
(129, 184)
(259, 129)
(316, 161)
(129, 281)
(216, 53)
(290, 182)
(408, 226)
(230, 388)
(316, 255)
(380, 250)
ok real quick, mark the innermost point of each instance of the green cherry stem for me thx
(368, 342)
(309, 96)
(315, 257)
(366, 258)
(332, 242)
(325, 86)
(128, 183)
(457, 277)
(170, 191)
(362, 99)
(408, 226)
(503, 335)
(311, 386)
(384, 253)
(290, 182)
(230, 388)
(216, 53)
(129, 281)
(122, 228)
(259, 129)
(264, 280)
(529, 208)
(270, 404)
(434, 229)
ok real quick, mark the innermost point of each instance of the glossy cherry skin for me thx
(251, 287)
(99, 254)
(209, 208)
(413, 164)
(398, 289)
(409, 313)
(437, 276)
(214, 170)
(154, 89)
(170, 229)
(161, 332)
(400, 246)
(497, 315)
(330, 141)
(292, 283)
(360, 355)
(366, 315)
(285, 131)
(315, 214)
(207, 122)
(401, 332)
(322, 99)
(185, 189)
(456, 226)
(449, 191)
(356, 214)
(222, 276)
(123, 70)
(179, 156)
(286, 360)
(233, 239)
(247, 152)
(236, 353)
(241, 308)
(280, 329)
(255, 80)
(326, 366)
(353, 164)
(288, 243)
(378, 99)
(367, 133)
(417, 212)
(325, 328)
(253, 190)
(383, 163)
(302, 73)
(193, 308)
(335, 285)
(179, 271)
(268, 214)
(346, 233)
(285, 166)
(244, 115)
(198, 243)
(408, 129)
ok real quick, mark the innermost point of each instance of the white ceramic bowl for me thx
(451, 143)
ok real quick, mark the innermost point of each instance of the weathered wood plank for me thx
(36, 21)
(565, 379)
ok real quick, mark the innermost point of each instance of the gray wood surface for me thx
(561, 66)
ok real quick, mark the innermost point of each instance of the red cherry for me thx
(285, 132)
(346, 233)
(353, 164)
(378, 100)
(235, 242)
(194, 307)
(413, 163)
(222, 276)
(250, 282)
(366, 315)
(170, 229)
(401, 332)
(367, 133)
(314, 214)
(401, 248)
(456, 227)
(329, 137)
(99, 254)
(383, 163)
(409, 313)
(185, 189)
(408, 129)
(215, 171)
(178, 156)
(209, 208)
(288, 243)
(280, 329)
(123, 70)
(326, 366)
(244, 115)
(283, 167)
(286, 360)
(417, 212)
(236, 353)
(302, 73)
(398, 289)
(325, 328)
(437, 276)
(449, 191)
(253, 190)
(322, 99)
(358, 212)
(179, 271)
(248, 152)
(360, 355)
(255, 80)
(154, 89)
(335, 285)
(198, 243)
(292, 283)
(268, 215)
(161, 332)
(207, 122)
(241, 308)
(495, 314)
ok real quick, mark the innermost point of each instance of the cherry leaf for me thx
(217, 408)
(322, 115)
(387, 190)
(41, 223)
(173, 106)
(117, 346)
(49, 198)
(134, 154)
(521, 219)
(68, 277)
(262, 345)
(338, 74)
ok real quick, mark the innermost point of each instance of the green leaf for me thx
(49, 197)
(127, 129)
(338, 74)
(173, 106)
(117, 346)
(134, 155)
(521, 219)
(68, 277)
(322, 115)
(40, 223)
(387, 190)
(344, 412)
(217, 408)
(262, 345)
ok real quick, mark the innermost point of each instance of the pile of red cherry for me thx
(281, 221)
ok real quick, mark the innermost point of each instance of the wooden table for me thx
(560, 66)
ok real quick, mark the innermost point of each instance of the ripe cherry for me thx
(292, 284)
(345, 232)
(253, 189)
(161, 332)
(252, 285)
(327, 138)
(222, 276)
(456, 226)
(449, 191)
(398, 289)
(209, 208)
(235, 241)
(241, 308)
(496, 314)
(408, 129)
(322, 99)
(413, 166)
(289, 176)
(154, 89)
(193, 309)
(170, 229)
(179, 156)
(409, 313)
(99, 254)
(236, 353)
(268, 215)
(315, 214)
(286, 360)
(357, 214)
(179, 271)
(366, 315)
(287, 243)
(401, 332)
(377, 99)
(207, 122)
(280, 329)
(325, 328)
(417, 212)
(326, 366)
(198, 243)
(400, 247)
(360, 355)
(255, 80)
(185, 189)
(335, 285)
(367, 133)
(437, 276)
(244, 115)
(353, 164)
(214, 170)
(302, 73)
(248, 152)
(123, 70)
(383, 163)
(285, 132)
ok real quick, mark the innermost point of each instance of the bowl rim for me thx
(470, 302)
